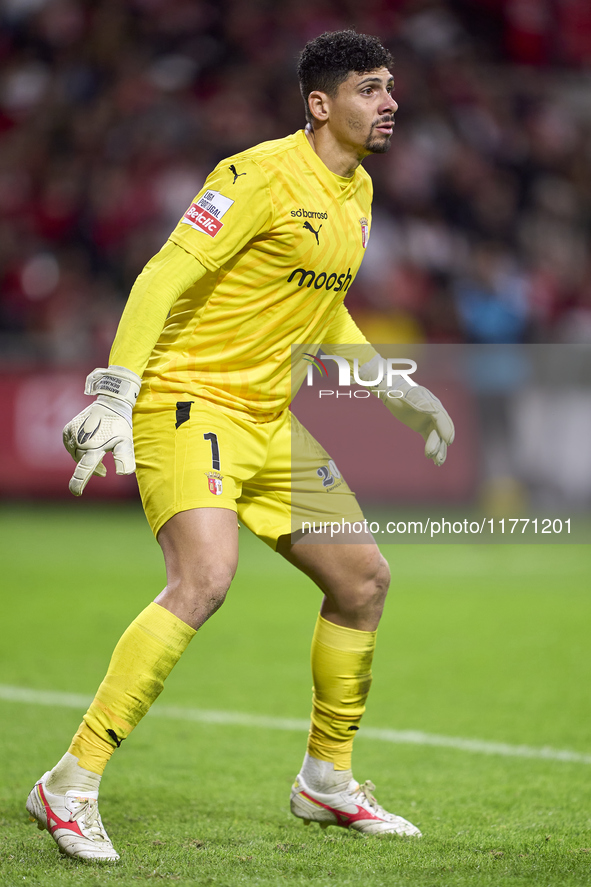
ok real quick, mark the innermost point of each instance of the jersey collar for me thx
(340, 187)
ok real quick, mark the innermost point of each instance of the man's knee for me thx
(213, 581)
(204, 581)
(200, 548)
(376, 586)
(364, 590)
(382, 578)
(196, 591)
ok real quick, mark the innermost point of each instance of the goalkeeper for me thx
(261, 260)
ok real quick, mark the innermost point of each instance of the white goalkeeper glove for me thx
(104, 426)
(419, 409)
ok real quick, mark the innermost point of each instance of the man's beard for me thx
(377, 144)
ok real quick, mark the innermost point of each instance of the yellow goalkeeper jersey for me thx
(281, 238)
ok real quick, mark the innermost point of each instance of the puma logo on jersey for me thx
(309, 227)
(235, 173)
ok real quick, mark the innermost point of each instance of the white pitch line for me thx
(240, 719)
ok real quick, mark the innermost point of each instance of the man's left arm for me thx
(414, 405)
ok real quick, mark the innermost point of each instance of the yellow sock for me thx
(142, 660)
(341, 669)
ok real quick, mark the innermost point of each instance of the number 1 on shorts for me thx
(215, 450)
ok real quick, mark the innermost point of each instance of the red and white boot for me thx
(72, 819)
(335, 798)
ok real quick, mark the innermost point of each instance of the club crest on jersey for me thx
(364, 231)
(214, 482)
(205, 214)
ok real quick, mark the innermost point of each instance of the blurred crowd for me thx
(112, 112)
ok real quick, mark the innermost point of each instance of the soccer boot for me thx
(72, 820)
(352, 807)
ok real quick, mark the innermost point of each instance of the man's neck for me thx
(340, 159)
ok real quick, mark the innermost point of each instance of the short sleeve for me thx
(233, 206)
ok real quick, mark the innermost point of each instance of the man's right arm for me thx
(166, 277)
(105, 425)
(201, 242)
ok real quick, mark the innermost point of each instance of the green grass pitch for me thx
(482, 642)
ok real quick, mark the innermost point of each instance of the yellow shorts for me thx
(274, 474)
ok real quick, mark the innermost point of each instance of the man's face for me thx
(362, 112)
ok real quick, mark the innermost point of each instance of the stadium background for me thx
(111, 115)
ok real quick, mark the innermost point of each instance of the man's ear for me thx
(318, 102)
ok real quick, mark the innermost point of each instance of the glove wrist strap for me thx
(116, 383)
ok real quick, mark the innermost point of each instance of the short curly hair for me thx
(326, 61)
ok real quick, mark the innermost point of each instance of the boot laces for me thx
(85, 811)
(365, 792)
